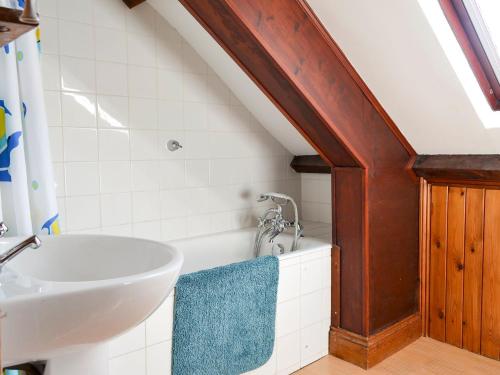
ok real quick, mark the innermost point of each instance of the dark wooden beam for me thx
(133, 3)
(310, 164)
(475, 168)
(286, 51)
(10, 26)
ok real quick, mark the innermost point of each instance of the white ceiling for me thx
(395, 50)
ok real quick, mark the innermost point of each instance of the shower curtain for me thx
(28, 199)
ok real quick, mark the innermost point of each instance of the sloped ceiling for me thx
(242, 86)
(393, 47)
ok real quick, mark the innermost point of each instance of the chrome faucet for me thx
(32, 242)
(272, 223)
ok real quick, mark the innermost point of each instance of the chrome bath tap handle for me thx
(3, 229)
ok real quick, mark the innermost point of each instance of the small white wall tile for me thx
(51, 74)
(195, 116)
(77, 74)
(170, 115)
(47, 8)
(114, 144)
(131, 341)
(160, 324)
(143, 144)
(194, 87)
(75, 10)
(169, 85)
(83, 212)
(110, 45)
(141, 50)
(112, 78)
(82, 178)
(112, 111)
(142, 82)
(76, 40)
(116, 209)
(172, 174)
(145, 176)
(173, 229)
(53, 107)
(159, 359)
(197, 173)
(129, 364)
(149, 230)
(80, 144)
(110, 13)
(173, 203)
(146, 206)
(56, 143)
(115, 176)
(78, 109)
(143, 113)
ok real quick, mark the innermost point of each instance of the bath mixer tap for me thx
(33, 242)
(272, 223)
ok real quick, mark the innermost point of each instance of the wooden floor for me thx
(424, 356)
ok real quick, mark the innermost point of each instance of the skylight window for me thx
(477, 28)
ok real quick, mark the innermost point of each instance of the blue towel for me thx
(224, 318)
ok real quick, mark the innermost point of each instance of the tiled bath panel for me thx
(118, 85)
(302, 324)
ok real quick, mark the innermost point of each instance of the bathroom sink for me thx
(79, 290)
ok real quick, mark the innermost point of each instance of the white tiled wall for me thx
(316, 197)
(118, 85)
(302, 324)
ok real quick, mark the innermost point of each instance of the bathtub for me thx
(302, 315)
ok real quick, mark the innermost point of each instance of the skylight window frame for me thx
(463, 27)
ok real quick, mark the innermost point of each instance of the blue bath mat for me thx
(224, 318)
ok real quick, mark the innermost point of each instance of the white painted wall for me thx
(393, 47)
(118, 85)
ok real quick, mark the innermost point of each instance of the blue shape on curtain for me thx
(21, 3)
(25, 109)
(2, 104)
(52, 225)
(6, 48)
(12, 143)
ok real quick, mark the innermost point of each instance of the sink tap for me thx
(32, 242)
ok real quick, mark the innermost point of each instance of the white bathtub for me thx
(302, 317)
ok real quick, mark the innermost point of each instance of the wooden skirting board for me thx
(366, 352)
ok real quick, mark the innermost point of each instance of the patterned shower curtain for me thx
(28, 200)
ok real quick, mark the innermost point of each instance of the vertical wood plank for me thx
(455, 265)
(490, 332)
(437, 275)
(424, 254)
(473, 275)
(335, 286)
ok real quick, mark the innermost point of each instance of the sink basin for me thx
(80, 290)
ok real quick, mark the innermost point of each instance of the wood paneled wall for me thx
(463, 267)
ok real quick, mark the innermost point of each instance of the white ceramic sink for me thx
(79, 290)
